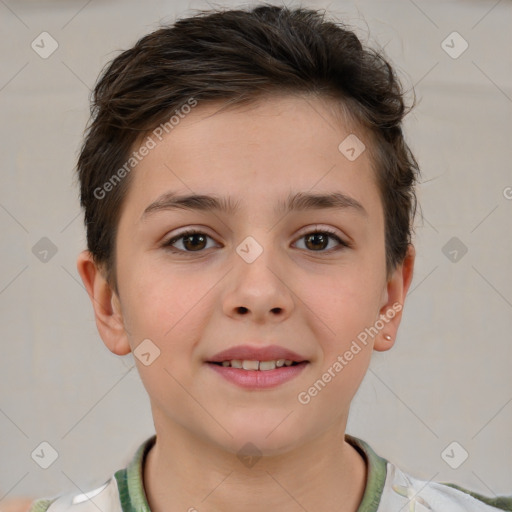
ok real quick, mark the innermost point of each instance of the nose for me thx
(259, 288)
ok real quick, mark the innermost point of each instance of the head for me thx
(265, 107)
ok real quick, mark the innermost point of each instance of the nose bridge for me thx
(257, 231)
(258, 254)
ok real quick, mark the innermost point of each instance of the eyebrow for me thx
(299, 201)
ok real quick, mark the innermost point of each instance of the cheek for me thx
(167, 310)
(329, 394)
(342, 302)
(161, 300)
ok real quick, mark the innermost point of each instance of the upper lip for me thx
(249, 353)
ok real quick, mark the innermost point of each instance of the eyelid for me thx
(343, 239)
(319, 228)
(191, 230)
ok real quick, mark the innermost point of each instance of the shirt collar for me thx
(133, 496)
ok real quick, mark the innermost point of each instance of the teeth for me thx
(267, 365)
(247, 364)
(250, 365)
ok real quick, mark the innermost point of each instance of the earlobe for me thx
(106, 305)
(391, 312)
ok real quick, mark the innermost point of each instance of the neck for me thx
(183, 472)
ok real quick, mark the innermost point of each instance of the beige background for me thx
(448, 377)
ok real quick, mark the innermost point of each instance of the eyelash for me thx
(332, 234)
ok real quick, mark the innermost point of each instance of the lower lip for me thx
(258, 379)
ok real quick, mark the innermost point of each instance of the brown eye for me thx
(318, 241)
(196, 241)
(192, 241)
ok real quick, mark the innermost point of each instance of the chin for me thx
(271, 437)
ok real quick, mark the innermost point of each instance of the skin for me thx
(19, 504)
(312, 299)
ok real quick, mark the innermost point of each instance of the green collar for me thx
(376, 474)
(133, 497)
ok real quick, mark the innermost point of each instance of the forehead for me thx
(263, 150)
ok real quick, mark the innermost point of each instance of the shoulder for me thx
(390, 488)
(123, 492)
(104, 498)
(41, 505)
(401, 489)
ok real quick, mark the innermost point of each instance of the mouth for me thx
(257, 367)
(256, 375)
(253, 365)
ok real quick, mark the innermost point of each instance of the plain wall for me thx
(448, 376)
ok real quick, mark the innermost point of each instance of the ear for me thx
(106, 304)
(393, 301)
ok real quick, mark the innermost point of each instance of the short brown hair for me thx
(238, 56)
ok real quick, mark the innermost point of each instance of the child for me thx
(273, 137)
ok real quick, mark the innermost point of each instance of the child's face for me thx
(311, 296)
